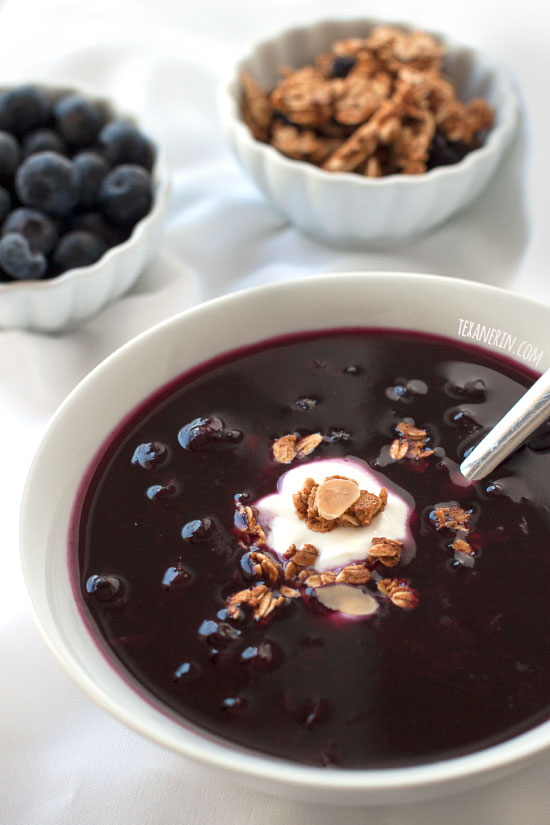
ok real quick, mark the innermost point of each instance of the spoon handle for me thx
(511, 431)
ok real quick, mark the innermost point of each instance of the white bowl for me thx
(61, 303)
(116, 387)
(346, 208)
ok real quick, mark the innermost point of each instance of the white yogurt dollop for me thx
(342, 545)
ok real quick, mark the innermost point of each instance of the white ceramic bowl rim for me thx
(257, 765)
(228, 99)
(160, 187)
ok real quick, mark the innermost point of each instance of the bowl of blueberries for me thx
(83, 192)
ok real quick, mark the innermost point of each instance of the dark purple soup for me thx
(158, 555)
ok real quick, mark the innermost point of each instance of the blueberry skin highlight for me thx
(48, 181)
(18, 260)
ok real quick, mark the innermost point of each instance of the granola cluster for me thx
(289, 447)
(371, 105)
(309, 503)
(457, 519)
(410, 444)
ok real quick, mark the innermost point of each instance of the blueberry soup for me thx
(279, 548)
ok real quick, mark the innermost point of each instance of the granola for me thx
(371, 105)
(246, 522)
(399, 592)
(463, 547)
(410, 444)
(353, 574)
(386, 551)
(359, 513)
(452, 517)
(264, 565)
(289, 447)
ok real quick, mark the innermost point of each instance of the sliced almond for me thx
(348, 599)
(335, 495)
(307, 444)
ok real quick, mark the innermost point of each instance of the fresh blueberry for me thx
(78, 120)
(96, 223)
(342, 65)
(9, 154)
(23, 108)
(18, 260)
(92, 168)
(5, 202)
(78, 248)
(36, 227)
(43, 140)
(48, 181)
(126, 194)
(123, 143)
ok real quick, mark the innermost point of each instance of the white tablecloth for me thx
(62, 760)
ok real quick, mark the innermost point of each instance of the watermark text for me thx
(500, 339)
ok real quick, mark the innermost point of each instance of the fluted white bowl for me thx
(346, 208)
(61, 303)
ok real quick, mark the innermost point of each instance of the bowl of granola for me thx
(362, 132)
(262, 554)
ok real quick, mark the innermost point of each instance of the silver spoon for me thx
(526, 415)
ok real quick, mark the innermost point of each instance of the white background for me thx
(62, 760)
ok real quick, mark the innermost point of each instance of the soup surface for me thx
(178, 576)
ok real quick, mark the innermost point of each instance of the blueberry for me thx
(342, 66)
(78, 120)
(123, 143)
(105, 589)
(126, 194)
(306, 403)
(5, 202)
(200, 432)
(92, 168)
(96, 223)
(151, 455)
(187, 671)
(444, 152)
(43, 140)
(197, 530)
(9, 154)
(36, 227)
(166, 491)
(175, 577)
(78, 248)
(23, 108)
(18, 260)
(48, 181)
